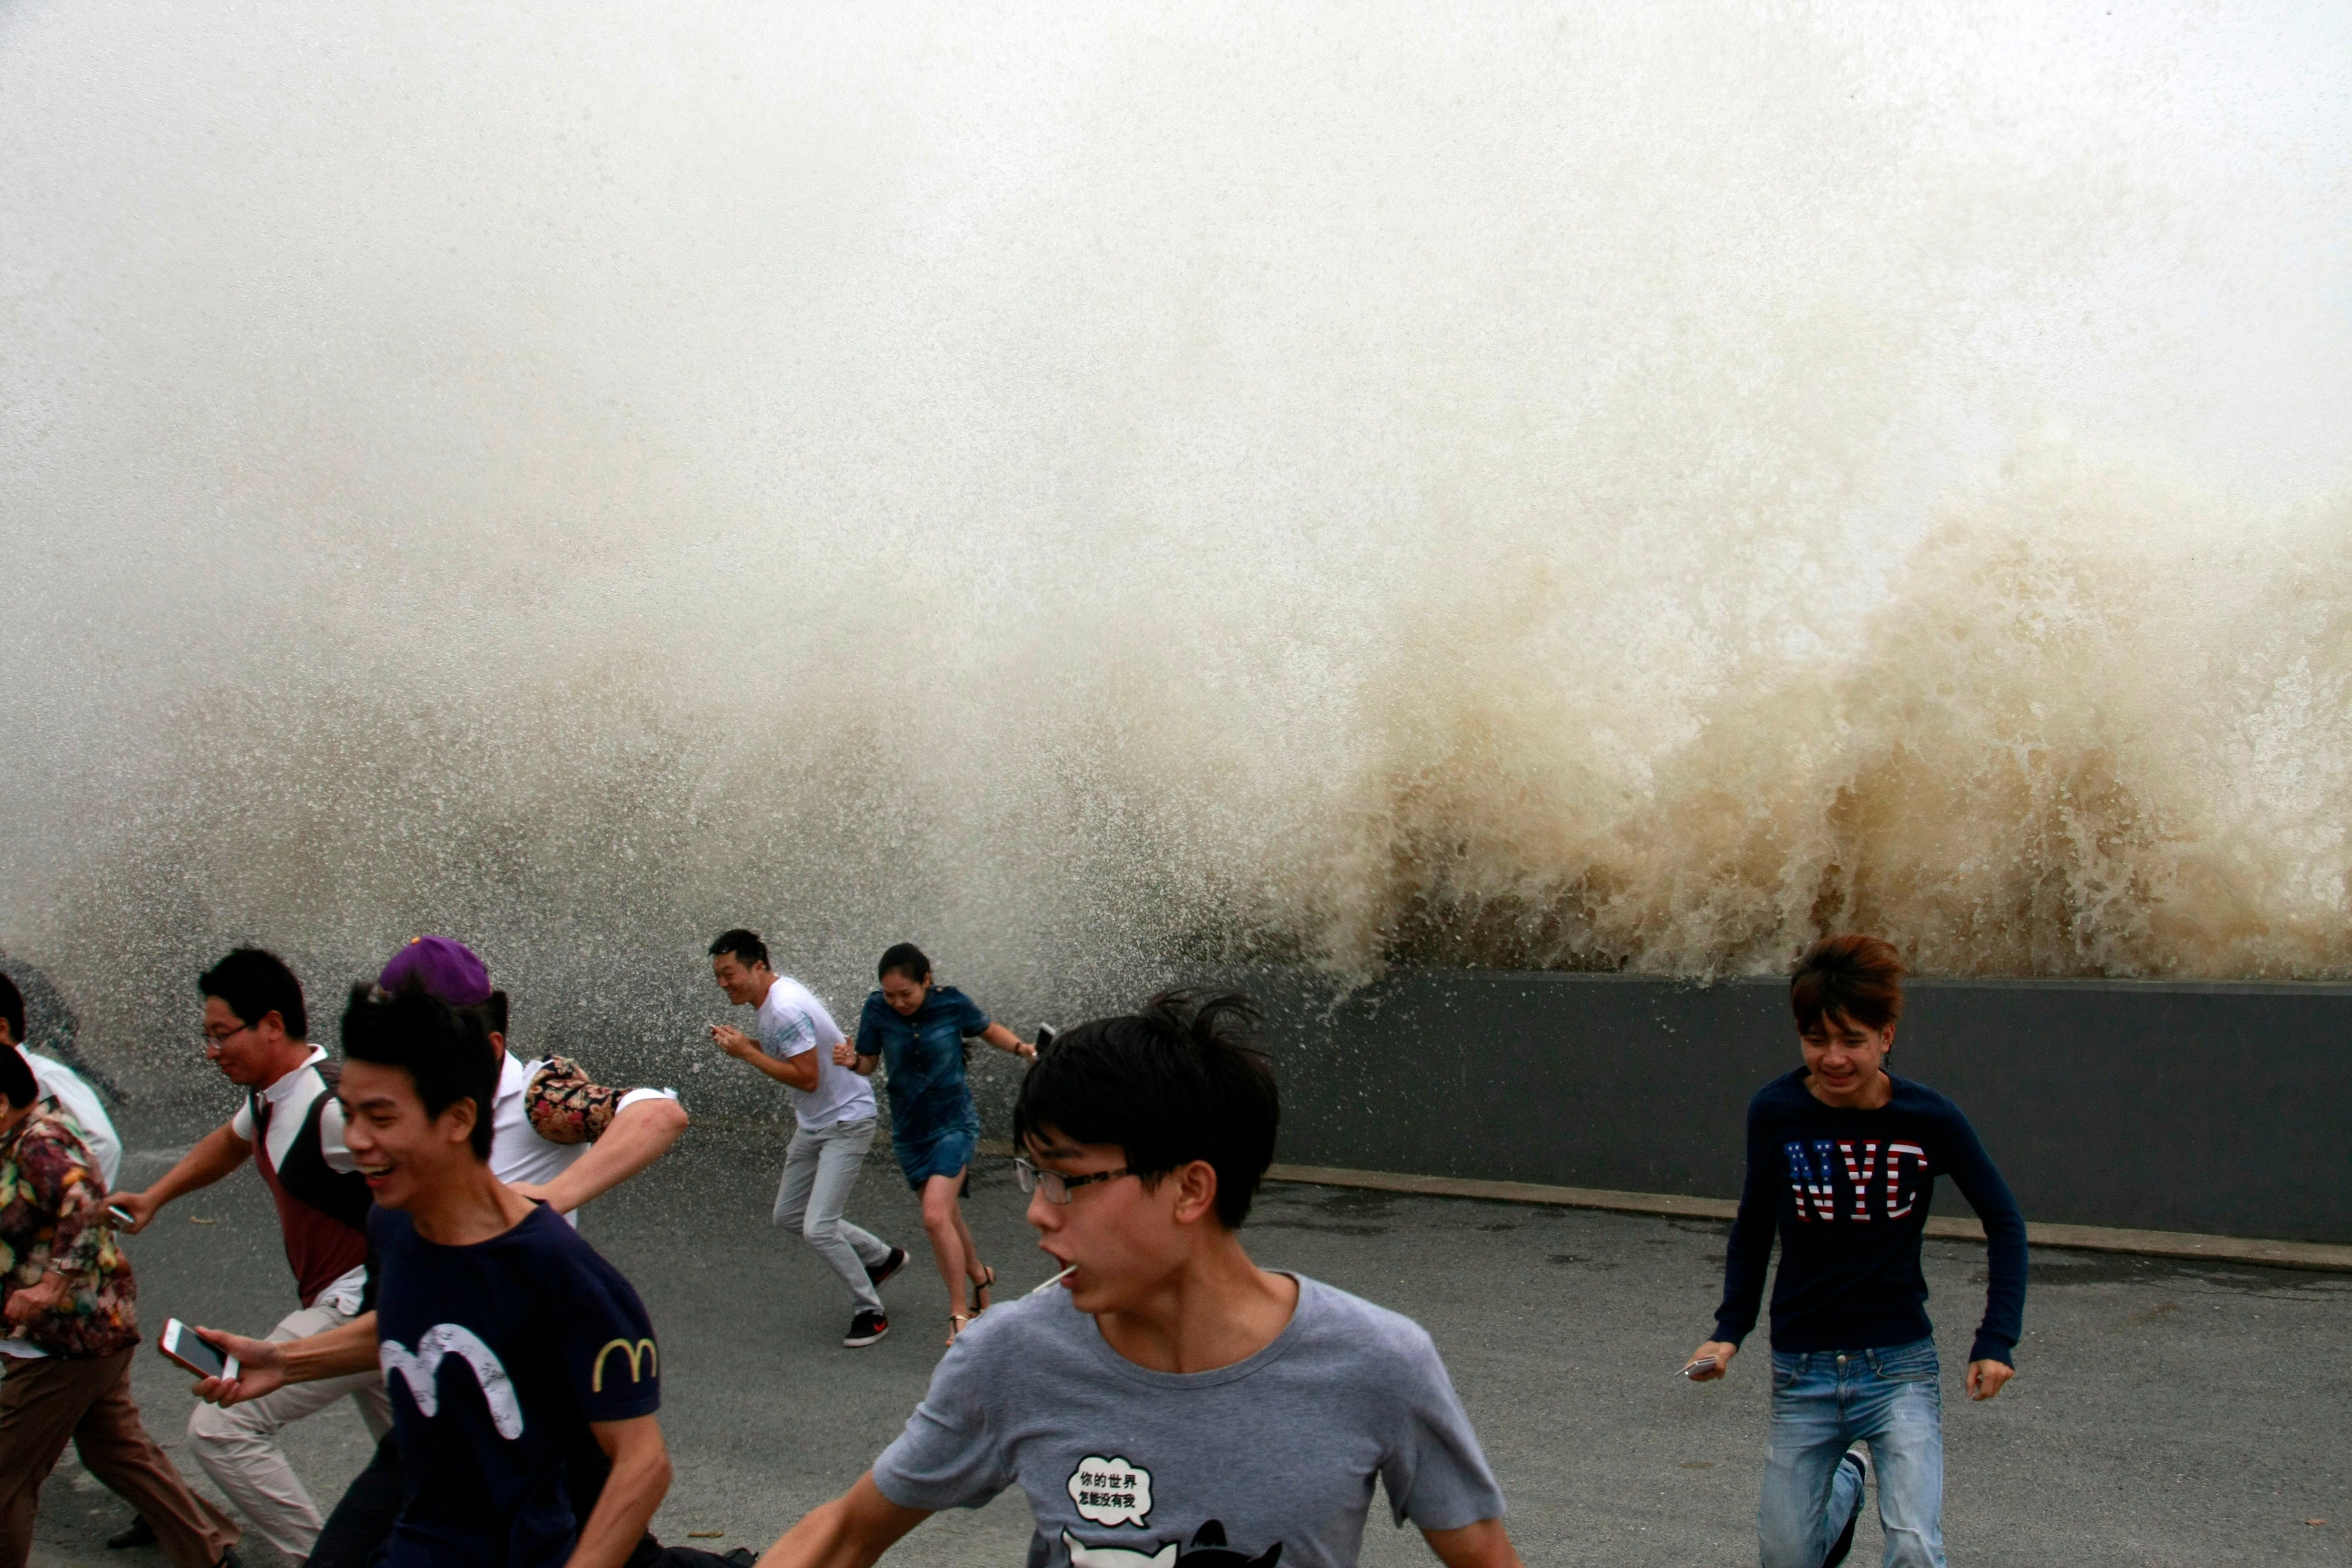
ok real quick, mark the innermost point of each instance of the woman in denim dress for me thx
(919, 1029)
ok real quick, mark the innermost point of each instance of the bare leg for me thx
(943, 1222)
(974, 1269)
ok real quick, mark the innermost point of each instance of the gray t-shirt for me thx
(1126, 1468)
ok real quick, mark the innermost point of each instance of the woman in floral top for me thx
(68, 1289)
(71, 1304)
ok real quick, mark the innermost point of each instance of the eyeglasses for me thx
(1057, 1185)
(223, 1039)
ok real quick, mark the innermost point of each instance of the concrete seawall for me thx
(2203, 1108)
(2220, 1109)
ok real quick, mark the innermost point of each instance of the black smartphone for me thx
(1045, 1036)
(181, 1345)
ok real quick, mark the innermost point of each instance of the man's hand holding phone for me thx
(137, 1205)
(1709, 1361)
(256, 1367)
(734, 1041)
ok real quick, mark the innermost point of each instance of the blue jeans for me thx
(1823, 1400)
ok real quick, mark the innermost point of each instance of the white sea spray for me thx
(1103, 490)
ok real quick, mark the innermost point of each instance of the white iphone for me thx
(181, 1345)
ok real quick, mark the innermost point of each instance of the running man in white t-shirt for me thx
(835, 1105)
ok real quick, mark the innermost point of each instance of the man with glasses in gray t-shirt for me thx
(1171, 1404)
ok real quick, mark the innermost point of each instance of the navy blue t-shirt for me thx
(1847, 1192)
(924, 1054)
(497, 1357)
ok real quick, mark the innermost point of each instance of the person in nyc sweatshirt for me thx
(1843, 1157)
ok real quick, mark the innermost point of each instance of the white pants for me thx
(238, 1447)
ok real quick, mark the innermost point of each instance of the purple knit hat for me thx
(444, 966)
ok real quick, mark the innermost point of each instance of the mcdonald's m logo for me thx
(643, 1358)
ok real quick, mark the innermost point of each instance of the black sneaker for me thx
(1851, 1459)
(865, 1328)
(888, 1266)
(141, 1534)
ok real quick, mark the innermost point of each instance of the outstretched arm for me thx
(1485, 1544)
(635, 1488)
(1004, 1040)
(851, 1531)
(639, 1134)
(264, 1366)
(216, 1154)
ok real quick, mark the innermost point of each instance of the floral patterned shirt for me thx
(566, 1107)
(53, 1216)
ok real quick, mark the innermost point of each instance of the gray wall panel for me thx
(2212, 1108)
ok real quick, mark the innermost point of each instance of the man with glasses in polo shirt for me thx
(257, 1032)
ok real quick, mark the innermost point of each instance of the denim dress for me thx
(934, 1127)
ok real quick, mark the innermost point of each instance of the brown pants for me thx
(44, 1402)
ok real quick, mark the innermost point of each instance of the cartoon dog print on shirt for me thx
(1208, 1551)
(1085, 1556)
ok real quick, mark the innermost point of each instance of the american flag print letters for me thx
(1892, 1173)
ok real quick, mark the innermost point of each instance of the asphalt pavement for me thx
(2165, 1414)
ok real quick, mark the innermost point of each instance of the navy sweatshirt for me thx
(1847, 1192)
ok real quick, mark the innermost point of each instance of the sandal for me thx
(980, 1287)
(956, 1323)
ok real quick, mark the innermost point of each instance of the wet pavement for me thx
(2165, 1414)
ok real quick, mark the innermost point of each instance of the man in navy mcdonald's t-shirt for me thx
(504, 1337)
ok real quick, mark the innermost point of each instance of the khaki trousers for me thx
(238, 1447)
(47, 1401)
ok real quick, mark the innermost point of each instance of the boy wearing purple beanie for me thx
(557, 1137)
